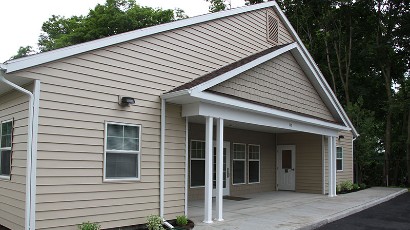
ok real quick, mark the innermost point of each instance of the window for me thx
(253, 163)
(122, 151)
(339, 158)
(6, 132)
(197, 163)
(238, 163)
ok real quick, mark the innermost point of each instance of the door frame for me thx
(278, 151)
(226, 191)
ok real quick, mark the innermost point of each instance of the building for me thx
(116, 129)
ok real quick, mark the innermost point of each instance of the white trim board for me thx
(252, 117)
(30, 61)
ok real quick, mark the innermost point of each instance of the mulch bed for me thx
(189, 226)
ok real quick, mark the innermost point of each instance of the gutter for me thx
(31, 178)
(162, 159)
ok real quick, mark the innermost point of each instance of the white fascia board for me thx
(238, 115)
(234, 103)
(42, 58)
(175, 94)
(310, 59)
(223, 77)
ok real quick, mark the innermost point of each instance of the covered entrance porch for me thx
(252, 159)
(269, 107)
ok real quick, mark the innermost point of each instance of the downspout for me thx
(162, 158)
(31, 148)
(355, 172)
(186, 165)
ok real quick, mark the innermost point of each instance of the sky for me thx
(21, 20)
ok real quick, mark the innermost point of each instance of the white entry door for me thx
(226, 170)
(285, 167)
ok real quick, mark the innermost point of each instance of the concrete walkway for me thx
(290, 210)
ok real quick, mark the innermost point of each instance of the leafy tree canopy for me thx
(216, 5)
(113, 17)
(23, 52)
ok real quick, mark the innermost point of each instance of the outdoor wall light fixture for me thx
(341, 137)
(126, 101)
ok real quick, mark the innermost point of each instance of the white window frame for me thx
(340, 170)
(190, 164)
(105, 179)
(255, 160)
(5, 177)
(233, 160)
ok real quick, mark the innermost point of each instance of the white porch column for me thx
(219, 167)
(208, 170)
(332, 165)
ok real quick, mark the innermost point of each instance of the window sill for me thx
(339, 170)
(123, 180)
(254, 182)
(240, 184)
(198, 187)
(5, 178)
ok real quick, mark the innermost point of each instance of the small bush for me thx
(182, 220)
(356, 187)
(346, 186)
(154, 222)
(363, 186)
(89, 226)
(338, 189)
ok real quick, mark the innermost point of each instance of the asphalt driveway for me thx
(393, 214)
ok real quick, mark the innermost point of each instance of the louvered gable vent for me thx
(272, 28)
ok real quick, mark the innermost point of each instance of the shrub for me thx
(363, 186)
(346, 186)
(89, 226)
(356, 187)
(182, 220)
(154, 222)
(338, 189)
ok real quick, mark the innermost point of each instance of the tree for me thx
(362, 48)
(114, 17)
(252, 2)
(23, 52)
(216, 5)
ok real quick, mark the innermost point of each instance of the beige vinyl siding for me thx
(280, 83)
(308, 160)
(267, 159)
(14, 106)
(80, 93)
(347, 145)
(70, 167)
(175, 148)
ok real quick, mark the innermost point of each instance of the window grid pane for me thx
(198, 149)
(254, 152)
(123, 137)
(239, 151)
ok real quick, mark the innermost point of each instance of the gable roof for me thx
(216, 77)
(226, 69)
(303, 56)
(41, 58)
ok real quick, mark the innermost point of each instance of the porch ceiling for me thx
(241, 125)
